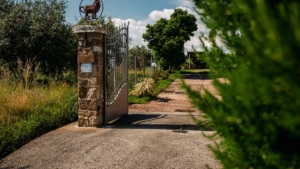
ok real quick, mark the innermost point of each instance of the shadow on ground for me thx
(196, 76)
(156, 121)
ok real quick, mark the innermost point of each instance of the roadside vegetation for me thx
(33, 104)
(37, 71)
(145, 94)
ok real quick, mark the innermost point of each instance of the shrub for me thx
(258, 116)
(144, 87)
(164, 75)
(155, 76)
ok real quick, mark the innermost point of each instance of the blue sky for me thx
(124, 9)
(140, 13)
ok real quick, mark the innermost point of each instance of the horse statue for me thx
(93, 9)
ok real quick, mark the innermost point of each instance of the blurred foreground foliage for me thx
(255, 47)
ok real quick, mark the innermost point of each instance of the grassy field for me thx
(32, 104)
(28, 113)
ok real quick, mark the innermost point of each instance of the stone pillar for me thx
(90, 75)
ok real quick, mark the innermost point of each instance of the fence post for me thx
(144, 66)
(151, 66)
(189, 61)
(135, 69)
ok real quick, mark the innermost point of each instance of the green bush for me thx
(155, 76)
(258, 116)
(164, 75)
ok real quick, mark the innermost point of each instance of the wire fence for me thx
(140, 68)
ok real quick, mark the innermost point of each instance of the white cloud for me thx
(138, 28)
(156, 15)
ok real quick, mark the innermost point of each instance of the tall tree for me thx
(258, 115)
(36, 31)
(167, 37)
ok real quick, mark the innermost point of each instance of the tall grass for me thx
(29, 109)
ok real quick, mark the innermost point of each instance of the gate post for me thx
(90, 75)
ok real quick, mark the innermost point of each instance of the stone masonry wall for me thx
(90, 84)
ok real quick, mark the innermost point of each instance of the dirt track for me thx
(173, 99)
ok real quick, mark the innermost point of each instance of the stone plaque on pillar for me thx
(90, 82)
(86, 68)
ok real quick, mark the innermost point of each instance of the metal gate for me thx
(116, 73)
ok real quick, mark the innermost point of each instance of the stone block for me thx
(92, 93)
(83, 121)
(88, 113)
(93, 105)
(94, 113)
(90, 58)
(100, 59)
(98, 49)
(95, 70)
(78, 70)
(94, 41)
(89, 104)
(93, 121)
(82, 92)
(100, 81)
(96, 58)
(79, 29)
(100, 73)
(83, 81)
(85, 50)
(93, 81)
(83, 113)
(83, 103)
(101, 93)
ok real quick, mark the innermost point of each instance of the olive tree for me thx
(36, 31)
